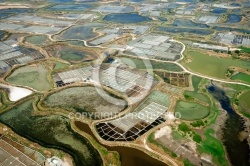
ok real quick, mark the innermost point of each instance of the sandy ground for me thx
(67, 161)
(12, 6)
(16, 93)
(164, 131)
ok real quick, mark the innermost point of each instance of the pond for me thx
(230, 133)
(70, 54)
(202, 32)
(219, 10)
(15, 10)
(37, 40)
(126, 18)
(78, 7)
(235, 4)
(2, 34)
(52, 131)
(59, 1)
(84, 100)
(80, 32)
(233, 18)
(73, 55)
(246, 4)
(191, 110)
(4, 15)
(128, 156)
(136, 0)
(187, 1)
(173, 6)
(231, 29)
(163, 19)
(188, 23)
(35, 77)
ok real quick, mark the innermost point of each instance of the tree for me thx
(237, 51)
(183, 127)
(197, 138)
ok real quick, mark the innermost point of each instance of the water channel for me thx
(237, 150)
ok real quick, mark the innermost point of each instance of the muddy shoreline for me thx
(129, 156)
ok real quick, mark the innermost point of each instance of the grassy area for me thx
(237, 87)
(72, 55)
(52, 131)
(152, 140)
(186, 162)
(214, 147)
(244, 103)
(160, 97)
(196, 81)
(245, 49)
(184, 127)
(37, 40)
(32, 76)
(195, 94)
(139, 64)
(197, 138)
(211, 65)
(191, 110)
(197, 123)
(83, 100)
(241, 77)
(4, 101)
(59, 65)
(176, 135)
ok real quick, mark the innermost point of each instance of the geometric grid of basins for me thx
(129, 127)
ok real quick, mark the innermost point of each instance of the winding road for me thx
(184, 70)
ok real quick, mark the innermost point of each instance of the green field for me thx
(37, 40)
(214, 147)
(241, 77)
(59, 65)
(70, 54)
(160, 98)
(195, 94)
(83, 100)
(195, 82)
(245, 49)
(191, 110)
(155, 97)
(139, 64)
(51, 131)
(213, 66)
(32, 76)
(244, 103)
